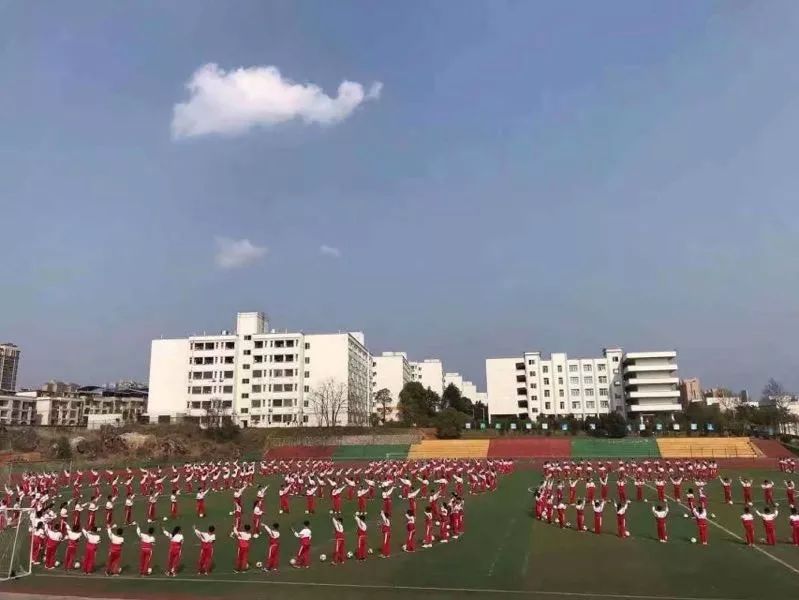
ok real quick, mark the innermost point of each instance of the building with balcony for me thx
(9, 365)
(17, 410)
(651, 383)
(530, 385)
(262, 378)
(62, 404)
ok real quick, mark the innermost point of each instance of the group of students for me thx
(441, 483)
(558, 491)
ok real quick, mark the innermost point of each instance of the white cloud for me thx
(330, 251)
(232, 254)
(232, 102)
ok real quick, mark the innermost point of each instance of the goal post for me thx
(15, 550)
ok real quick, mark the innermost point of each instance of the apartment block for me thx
(391, 371)
(17, 410)
(430, 373)
(530, 385)
(9, 365)
(261, 377)
(690, 391)
(467, 388)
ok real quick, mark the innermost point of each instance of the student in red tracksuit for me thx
(73, 537)
(385, 528)
(303, 558)
(243, 538)
(310, 499)
(769, 516)
(273, 550)
(109, 511)
(38, 536)
(173, 505)
(112, 566)
(146, 544)
(580, 508)
(200, 498)
(283, 492)
(206, 560)
(621, 519)
(661, 512)
(726, 484)
(129, 509)
(151, 505)
(748, 521)
(360, 546)
(427, 540)
(90, 553)
(746, 485)
(700, 514)
(339, 551)
(793, 520)
(53, 538)
(598, 506)
(175, 550)
(410, 527)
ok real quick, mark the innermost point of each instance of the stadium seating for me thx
(294, 452)
(537, 447)
(708, 447)
(371, 452)
(586, 447)
(449, 449)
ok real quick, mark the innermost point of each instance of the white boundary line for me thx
(738, 537)
(501, 546)
(355, 586)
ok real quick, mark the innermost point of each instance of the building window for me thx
(307, 360)
(615, 359)
(562, 405)
(244, 397)
(227, 389)
(560, 380)
(230, 345)
(247, 352)
(546, 393)
(256, 389)
(532, 373)
(547, 405)
(533, 386)
(572, 368)
(228, 360)
(545, 369)
(588, 380)
(247, 338)
(587, 367)
(306, 389)
(560, 393)
(600, 367)
(603, 391)
(546, 380)
(259, 344)
(589, 392)
(603, 378)
(560, 368)
(603, 404)
(575, 392)
(590, 404)
(574, 380)
(575, 405)
(307, 346)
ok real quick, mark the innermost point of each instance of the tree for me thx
(614, 424)
(480, 411)
(215, 414)
(327, 401)
(452, 398)
(417, 405)
(383, 401)
(449, 423)
(772, 393)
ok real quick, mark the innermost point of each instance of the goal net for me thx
(15, 552)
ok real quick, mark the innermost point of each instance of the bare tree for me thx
(215, 414)
(327, 401)
(383, 401)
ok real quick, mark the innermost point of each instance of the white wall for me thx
(391, 371)
(501, 386)
(169, 367)
(430, 373)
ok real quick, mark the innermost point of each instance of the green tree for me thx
(449, 423)
(452, 398)
(62, 448)
(383, 402)
(480, 411)
(614, 424)
(417, 405)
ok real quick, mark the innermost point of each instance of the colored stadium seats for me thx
(449, 449)
(708, 447)
(586, 447)
(529, 447)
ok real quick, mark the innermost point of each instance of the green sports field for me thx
(504, 552)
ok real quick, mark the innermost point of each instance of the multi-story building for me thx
(430, 373)
(391, 371)
(636, 383)
(467, 388)
(261, 377)
(650, 383)
(9, 365)
(530, 385)
(690, 391)
(17, 410)
(66, 404)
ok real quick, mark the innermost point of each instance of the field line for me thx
(358, 586)
(738, 537)
(501, 547)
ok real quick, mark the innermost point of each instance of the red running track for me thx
(529, 448)
(772, 448)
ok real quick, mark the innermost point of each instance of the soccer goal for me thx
(15, 553)
(396, 455)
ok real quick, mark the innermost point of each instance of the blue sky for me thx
(497, 177)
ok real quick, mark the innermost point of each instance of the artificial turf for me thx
(505, 552)
(587, 447)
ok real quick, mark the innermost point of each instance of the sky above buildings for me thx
(456, 179)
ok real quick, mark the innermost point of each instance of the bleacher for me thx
(530, 447)
(449, 449)
(708, 447)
